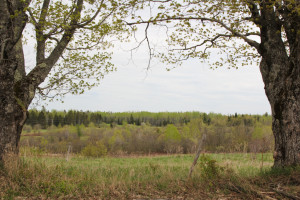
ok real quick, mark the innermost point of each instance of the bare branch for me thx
(162, 1)
(53, 38)
(204, 42)
(146, 38)
(53, 32)
(222, 24)
(149, 47)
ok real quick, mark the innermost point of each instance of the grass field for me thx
(166, 177)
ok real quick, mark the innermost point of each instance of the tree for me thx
(172, 139)
(236, 33)
(63, 32)
(42, 120)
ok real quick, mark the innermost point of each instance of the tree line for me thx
(74, 117)
(100, 133)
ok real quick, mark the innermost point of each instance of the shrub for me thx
(209, 168)
(97, 150)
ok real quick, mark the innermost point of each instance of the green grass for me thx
(245, 164)
(147, 168)
(125, 177)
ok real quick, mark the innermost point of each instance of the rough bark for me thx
(12, 114)
(280, 70)
(284, 97)
(14, 90)
(8, 128)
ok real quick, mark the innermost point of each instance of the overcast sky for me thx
(190, 87)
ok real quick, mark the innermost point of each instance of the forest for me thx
(97, 134)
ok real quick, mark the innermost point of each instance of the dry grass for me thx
(163, 177)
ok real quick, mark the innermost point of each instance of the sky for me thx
(190, 87)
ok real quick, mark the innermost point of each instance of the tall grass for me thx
(128, 177)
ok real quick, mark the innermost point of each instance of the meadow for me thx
(215, 176)
(84, 155)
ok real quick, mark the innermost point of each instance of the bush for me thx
(97, 150)
(209, 168)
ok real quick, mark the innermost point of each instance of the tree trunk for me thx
(286, 125)
(14, 88)
(280, 69)
(12, 112)
(283, 93)
(15, 96)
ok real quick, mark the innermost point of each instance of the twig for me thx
(288, 195)
(197, 154)
(265, 195)
(262, 161)
(68, 152)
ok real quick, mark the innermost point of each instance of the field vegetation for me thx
(145, 155)
(216, 176)
(97, 134)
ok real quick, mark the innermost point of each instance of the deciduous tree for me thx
(72, 38)
(235, 33)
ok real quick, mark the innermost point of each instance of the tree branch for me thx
(18, 21)
(40, 72)
(39, 32)
(32, 17)
(67, 36)
(255, 15)
(222, 24)
(92, 18)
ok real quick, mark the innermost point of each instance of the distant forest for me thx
(72, 117)
(99, 133)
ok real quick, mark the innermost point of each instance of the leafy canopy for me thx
(74, 39)
(219, 32)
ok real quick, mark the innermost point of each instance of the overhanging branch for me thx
(234, 33)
